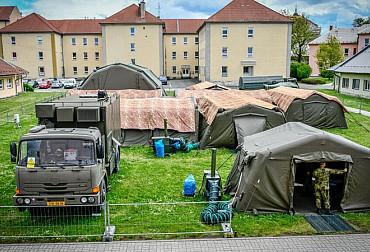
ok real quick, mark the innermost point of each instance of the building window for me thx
(96, 40)
(75, 70)
(85, 55)
(224, 71)
(173, 40)
(250, 32)
(354, 51)
(345, 83)
(185, 55)
(12, 39)
(250, 52)
(74, 56)
(133, 61)
(84, 41)
(196, 69)
(246, 70)
(97, 56)
(196, 55)
(224, 32)
(173, 55)
(346, 50)
(224, 52)
(39, 40)
(41, 71)
(41, 56)
(1, 85)
(185, 40)
(9, 84)
(196, 40)
(132, 47)
(86, 70)
(14, 55)
(132, 31)
(356, 84)
(367, 85)
(366, 42)
(73, 40)
(174, 70)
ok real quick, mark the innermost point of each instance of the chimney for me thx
(142, 9)
(330, 28)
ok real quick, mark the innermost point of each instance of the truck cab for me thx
(62, 166)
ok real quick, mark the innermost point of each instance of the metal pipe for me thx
(165, 128)
(213, 164)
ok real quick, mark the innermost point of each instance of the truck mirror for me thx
(99, 151)
(13, 151)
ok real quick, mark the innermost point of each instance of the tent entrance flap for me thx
(248, 124)
(320, 156)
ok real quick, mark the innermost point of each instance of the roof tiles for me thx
(131, 15)
(247, 11)
(182, 25)
(31, 23)
(78, 26)
(9, 69)
(5, 12)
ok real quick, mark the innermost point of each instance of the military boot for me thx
(328, 212)
(318, 211)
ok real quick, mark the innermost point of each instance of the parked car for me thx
(69, 83)
(44, 84)
(163, 79)
(56, 84)
(33, 83)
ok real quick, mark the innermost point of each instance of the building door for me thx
(247, 71)
(185, 71)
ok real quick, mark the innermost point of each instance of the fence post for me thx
(7, 116)
(109, 230)
(22, 110)
(360, 108)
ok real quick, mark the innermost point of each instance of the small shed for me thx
(266, 170)
(310, 107)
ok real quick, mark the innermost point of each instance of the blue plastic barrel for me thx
(159, 148)
(189, 186)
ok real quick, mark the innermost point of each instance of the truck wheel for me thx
(116, 159)
(103, 191)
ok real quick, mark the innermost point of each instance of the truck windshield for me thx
(52, 152)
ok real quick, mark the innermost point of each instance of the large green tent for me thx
(266, 168)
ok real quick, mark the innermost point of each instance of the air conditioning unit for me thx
(88, 114)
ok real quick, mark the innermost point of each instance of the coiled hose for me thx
(215, 212)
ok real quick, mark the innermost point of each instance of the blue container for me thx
(159, 148)
(189, 186)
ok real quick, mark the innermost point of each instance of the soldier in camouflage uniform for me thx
(322, 176)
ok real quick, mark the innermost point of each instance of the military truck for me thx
(66, 159)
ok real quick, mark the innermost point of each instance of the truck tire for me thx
(103, 193)
(116, 159)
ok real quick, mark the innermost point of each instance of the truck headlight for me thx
(27, 201)
(91, 200)
(83, 200)
(20, 201)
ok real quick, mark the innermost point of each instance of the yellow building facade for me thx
(134, 43)
(230, 50)
(82, 54)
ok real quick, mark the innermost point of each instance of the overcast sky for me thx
(339, 13)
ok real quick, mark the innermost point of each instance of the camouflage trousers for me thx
(324, 194)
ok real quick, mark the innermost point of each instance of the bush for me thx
(300, 70)
(313, 81)
(28, 88)
(327, 74)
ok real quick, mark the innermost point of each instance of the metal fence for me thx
(146, 220)
(25, 110)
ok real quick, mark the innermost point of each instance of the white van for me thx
(69, 83)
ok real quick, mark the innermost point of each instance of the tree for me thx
(328, 55)
(302, 34)
(357, 22)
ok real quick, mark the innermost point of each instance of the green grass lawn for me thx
(143, 178)
(350, 101)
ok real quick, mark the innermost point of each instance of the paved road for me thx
(327, 243)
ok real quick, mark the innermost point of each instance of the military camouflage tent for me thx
(266, 168)
(228, 116)
(207, 86)
(310, 107)
(122, 76)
